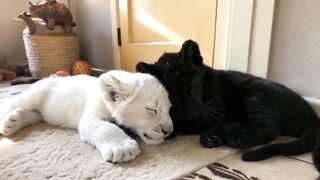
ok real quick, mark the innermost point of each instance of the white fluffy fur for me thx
(137, 101)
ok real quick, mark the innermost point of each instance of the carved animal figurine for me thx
(53, 13)
(27, 19)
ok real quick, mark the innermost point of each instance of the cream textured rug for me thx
(46, 152)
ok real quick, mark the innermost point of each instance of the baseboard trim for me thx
(315, 103)
(98, 71)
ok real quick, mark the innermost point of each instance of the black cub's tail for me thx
(316, 152)
(310, 141)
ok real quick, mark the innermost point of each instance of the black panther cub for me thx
(233, 108)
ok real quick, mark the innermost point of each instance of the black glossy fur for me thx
(233, 108)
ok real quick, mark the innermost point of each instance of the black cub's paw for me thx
(236, 136)
(244, 141)
(210, 140)
(238, 140)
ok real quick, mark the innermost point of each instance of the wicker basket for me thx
(48, 54)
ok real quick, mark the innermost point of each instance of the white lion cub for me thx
(134, 100)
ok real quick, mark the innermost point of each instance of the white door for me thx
(151, 27)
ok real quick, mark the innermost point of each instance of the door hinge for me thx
(119, 36)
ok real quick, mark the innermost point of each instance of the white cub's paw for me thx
(12, 122)
(123, 151)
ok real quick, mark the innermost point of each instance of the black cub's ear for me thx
(145, 68)
(190, 53)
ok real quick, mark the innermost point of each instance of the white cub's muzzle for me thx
(157, 134)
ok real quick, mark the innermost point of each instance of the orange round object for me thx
(81, 67)
(62, 73)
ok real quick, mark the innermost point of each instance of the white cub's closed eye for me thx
(152, 110)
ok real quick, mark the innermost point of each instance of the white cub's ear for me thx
(114, 86)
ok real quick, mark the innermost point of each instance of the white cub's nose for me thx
(166, 133)
(166, 129)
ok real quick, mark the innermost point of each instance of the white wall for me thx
(11, 44)
(295, 49)
(94, 31)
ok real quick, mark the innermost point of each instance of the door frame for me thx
(242, 37)
(115, 24)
